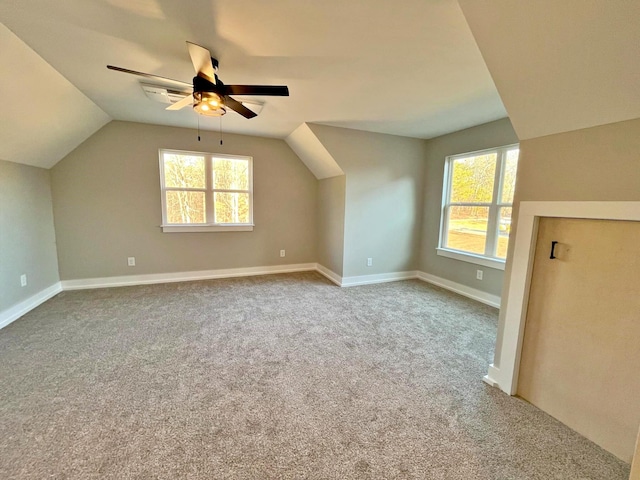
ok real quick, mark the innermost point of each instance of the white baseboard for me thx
(11, 314)
(364, 279)
(479, 295)
(129, 280)
(15, 312)
(475, 294)
(492, 376)
(377, 278)
(331, 275)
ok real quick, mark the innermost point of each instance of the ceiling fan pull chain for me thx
(220, 130)
(198, 127)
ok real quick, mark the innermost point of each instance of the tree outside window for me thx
(201, 189)
(477, 204)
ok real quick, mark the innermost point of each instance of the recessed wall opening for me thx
(580, 356)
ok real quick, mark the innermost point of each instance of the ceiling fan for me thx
(210, 96)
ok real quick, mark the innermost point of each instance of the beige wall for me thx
(489, 135)
(106, 197)
(27, 235)
(592, 164)
(331, 208)
(383, 214)
(600, 163)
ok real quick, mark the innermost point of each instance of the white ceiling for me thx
(408, 68)
(31, 133)
(561, 65)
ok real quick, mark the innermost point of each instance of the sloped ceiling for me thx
(43, 115)
(561, 65)
(313, 153)
(408, 68)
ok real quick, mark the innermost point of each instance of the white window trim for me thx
(494, 209)
(496, 263)
(206, 228)
(210, 226)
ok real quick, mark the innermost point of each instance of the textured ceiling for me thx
(408, 68)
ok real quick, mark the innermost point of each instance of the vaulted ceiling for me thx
(418, 68)
(408, 68)
(43, 115)
(561, 65)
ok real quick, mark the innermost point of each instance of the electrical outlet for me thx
(369, 262)
(282, 253)
(23, 280)
(479, 274)
(131, 261)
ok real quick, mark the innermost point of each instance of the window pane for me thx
(186, 207)
(509, 178)
(468, 229)
(183, 171)
(472, 178)
(230, 174)
(231, 207)
(504, 228)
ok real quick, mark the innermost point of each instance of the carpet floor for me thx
(271, 377)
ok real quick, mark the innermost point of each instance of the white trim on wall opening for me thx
(505, 374)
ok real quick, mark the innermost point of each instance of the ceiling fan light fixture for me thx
(207, 94)
(209, 104)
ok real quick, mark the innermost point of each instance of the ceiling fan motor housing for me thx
(211, 97)
(203, 85)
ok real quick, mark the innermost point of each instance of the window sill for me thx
(205, 228)
(471, 258)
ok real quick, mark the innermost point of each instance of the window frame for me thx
(493, 220)
(209, 190)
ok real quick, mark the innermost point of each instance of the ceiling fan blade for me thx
(236, 106)
(188, 100)
(201, 59)
(148, 75)
(266, 90)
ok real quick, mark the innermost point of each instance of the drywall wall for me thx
(599, 163)
(489, 135)
(592, 164)
(383, 202)
(331, 208)
(27, 235)
(106, 197)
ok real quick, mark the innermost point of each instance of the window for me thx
(204, 192)
(476, 207)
